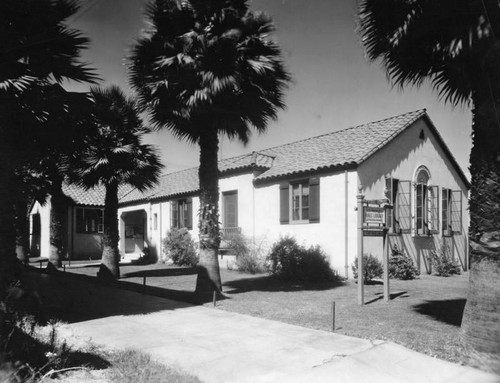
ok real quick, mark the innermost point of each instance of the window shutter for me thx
(314, 206)
(391, 185)
(174, 214)
(284, 204)
(189, 214)
(404, 207)
(456, 211)
(433, 209)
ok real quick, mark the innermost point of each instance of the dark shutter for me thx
(404, 206)
(284, 204)
(456, 211)
(174, 214)
(314, 208)
(189, 214)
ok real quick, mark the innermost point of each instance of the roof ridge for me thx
(420, 112)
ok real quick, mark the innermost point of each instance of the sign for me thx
(374, 216)
(373, 232)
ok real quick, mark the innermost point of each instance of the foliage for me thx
(292, 262)
(27, 356)
(249, 257)
(401, 265)
(442, 263)
(372, 268)
(206, 68)
(180, 248)
(130, 366)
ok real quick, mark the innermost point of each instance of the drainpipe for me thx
(253, 210)
(346, 225)
(161, 234)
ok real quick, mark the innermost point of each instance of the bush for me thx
(372, 268)
(401, 266)
(442, 263)
(248, 256)
(292, 262)
(179, 247)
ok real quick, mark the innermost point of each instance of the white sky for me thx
(334, 86)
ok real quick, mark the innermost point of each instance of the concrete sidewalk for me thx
(219, 346)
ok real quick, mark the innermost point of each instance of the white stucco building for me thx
(306, 189)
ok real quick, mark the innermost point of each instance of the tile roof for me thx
(344, 148)
(92, 197)
(347, 147)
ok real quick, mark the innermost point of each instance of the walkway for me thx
(220, 346)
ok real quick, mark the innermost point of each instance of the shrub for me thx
(401, 265)
(179, 247)
(248, 256)
(372, 268)
(290, 261)
(442, 263)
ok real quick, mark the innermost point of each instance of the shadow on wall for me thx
(448, 311)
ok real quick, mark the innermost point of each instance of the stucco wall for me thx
(330, 233)
(400, 159)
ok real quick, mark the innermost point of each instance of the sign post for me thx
(372, 222)
(361, 293)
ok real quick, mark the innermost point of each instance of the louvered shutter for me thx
(314, 205)
(456, 211)
(403, 217)
(174, 214)
(284, 204)
(188, 217)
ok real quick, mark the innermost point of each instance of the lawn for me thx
(423, 314)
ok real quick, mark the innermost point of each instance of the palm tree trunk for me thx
(208, 278)
(58, 218)
(22, 228)
(110, 268)
(7, 214)
(481, 322)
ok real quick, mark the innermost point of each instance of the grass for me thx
(424, 314)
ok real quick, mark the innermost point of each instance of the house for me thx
(308, 189)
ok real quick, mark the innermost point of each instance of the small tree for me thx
(372, 268)
(180, 248)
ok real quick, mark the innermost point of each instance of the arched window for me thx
(426, 208)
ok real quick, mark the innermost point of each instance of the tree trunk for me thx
(481, 318)
(58, 227)
(22, 228)
(7, 216)
(110, 268)
(208, 278)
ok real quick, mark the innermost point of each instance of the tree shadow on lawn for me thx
(270, 283)
(448, 311)
(74, 297)
(167, 272)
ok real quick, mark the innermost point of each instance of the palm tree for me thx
(114, 157)
(454, 44)
(38, 52)
(204, 68)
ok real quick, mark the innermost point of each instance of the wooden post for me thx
(215, 298)
(386, 251)
(361, 293)
(333, 316)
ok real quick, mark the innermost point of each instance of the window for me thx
(230, 209)
(446, 211)
(181, 213)
(299, 201)
(426, 204)
(155, 221)
(89, 220)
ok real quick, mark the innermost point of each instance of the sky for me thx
(334, 85)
